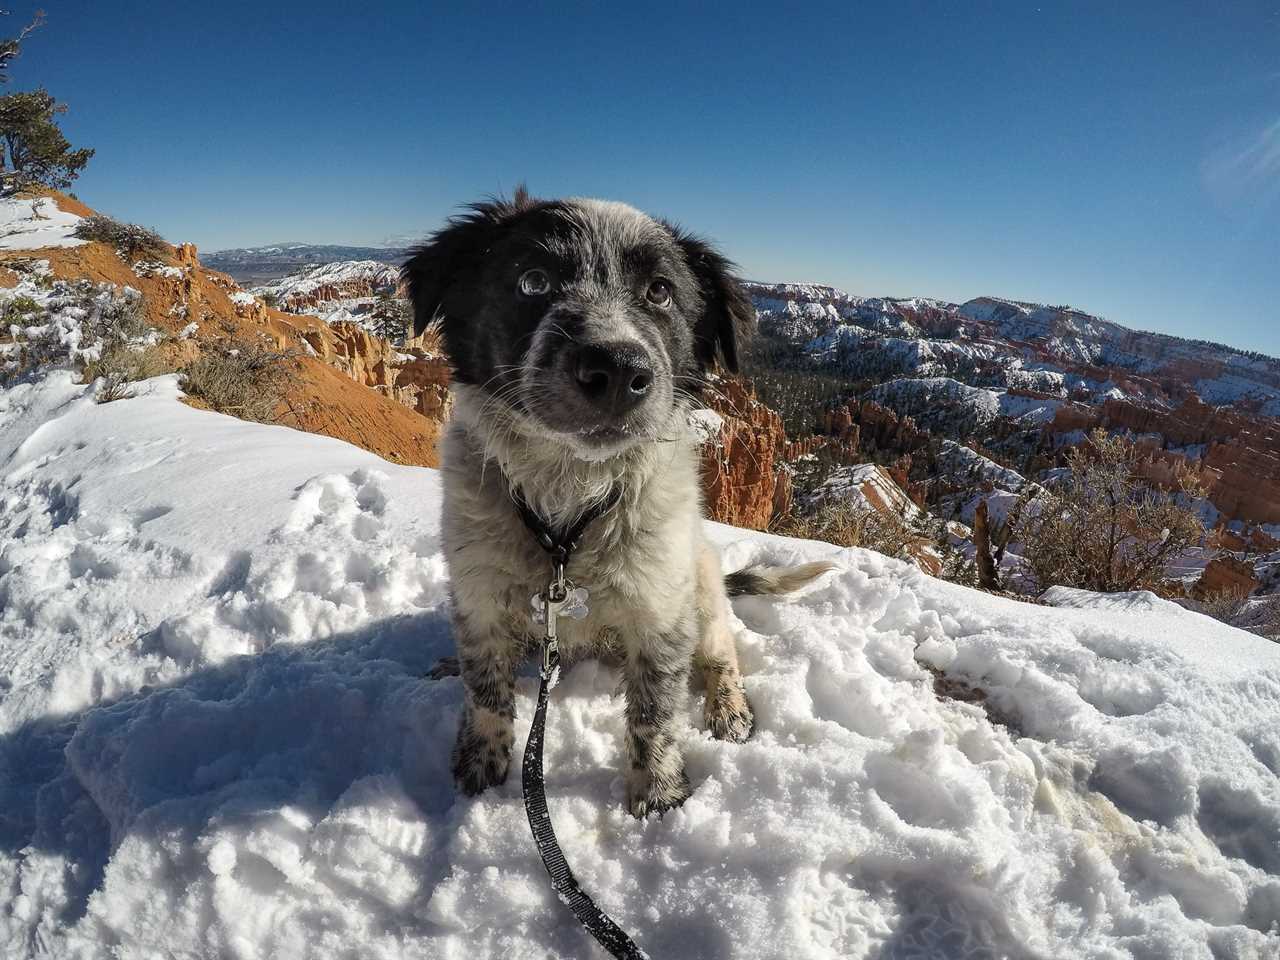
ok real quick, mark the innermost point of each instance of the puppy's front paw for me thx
(728, 714)
(653, 793)
(480, 761)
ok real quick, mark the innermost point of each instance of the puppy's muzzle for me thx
(614, 377)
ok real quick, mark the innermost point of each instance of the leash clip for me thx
(560, 599)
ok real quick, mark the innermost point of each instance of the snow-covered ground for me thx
(218, 738)
(29, 224)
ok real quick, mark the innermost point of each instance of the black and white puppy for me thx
(580, 332)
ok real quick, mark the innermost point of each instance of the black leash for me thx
(559, 594)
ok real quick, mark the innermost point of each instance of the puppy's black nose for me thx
(613, 376)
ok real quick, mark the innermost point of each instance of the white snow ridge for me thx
(219, 738)
(29, 224)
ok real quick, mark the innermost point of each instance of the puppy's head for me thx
(588, 320)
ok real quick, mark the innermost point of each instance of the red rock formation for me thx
(330, 282)
(1220, 538)
(1226, 575)
(1248, 484)
(1240, 468)
(795, 449)
(1192, 422)
(1073, 416)
(1263, 542)
(744, 480)
(415, 375)
(900, 471)
(889, 430)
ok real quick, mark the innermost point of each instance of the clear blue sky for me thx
(1121, 157)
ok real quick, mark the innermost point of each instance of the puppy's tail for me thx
(774, 580)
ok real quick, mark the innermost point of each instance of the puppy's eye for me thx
(534, 283)
(659, 293)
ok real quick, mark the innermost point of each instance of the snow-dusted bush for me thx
(128, 348)
(128, 239)
(94, 328)
(19, 310)
(245, 379)
(1102, 527)
(119, 319)
(131, 351)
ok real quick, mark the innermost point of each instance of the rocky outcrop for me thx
(869, 486)
(1073, 416)
(849, 431)
(394, 409)
(1240, 468)
(1226, 575)
(745, 481)
(415, 375)
(1248, 482)
(319, 285)
(1192, 422)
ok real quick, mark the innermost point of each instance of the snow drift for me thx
(219, 737)
(37, 222)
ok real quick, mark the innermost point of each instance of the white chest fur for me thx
(638, 560)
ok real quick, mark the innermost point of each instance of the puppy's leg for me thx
(486, 657)
(727, 712)
(656, 678)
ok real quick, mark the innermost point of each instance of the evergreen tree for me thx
(390, 317)
(32, 148)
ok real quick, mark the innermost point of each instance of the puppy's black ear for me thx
(728, 318)
(450, 253)
(428, 273)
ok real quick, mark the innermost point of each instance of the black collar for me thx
(560, 544)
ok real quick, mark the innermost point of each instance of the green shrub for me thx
(128, 239)
(19, 309)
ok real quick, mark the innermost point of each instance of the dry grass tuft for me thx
(848, 524)
(245, 380)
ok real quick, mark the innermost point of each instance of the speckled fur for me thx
(657, 598)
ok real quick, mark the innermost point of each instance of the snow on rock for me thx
(1029, 410)
(154, 268)
(865, 485)
(706, 425)
(854, 349)
(32, 223)
(218, 737)
(930, 398)
(958, 461)
(330, 282)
